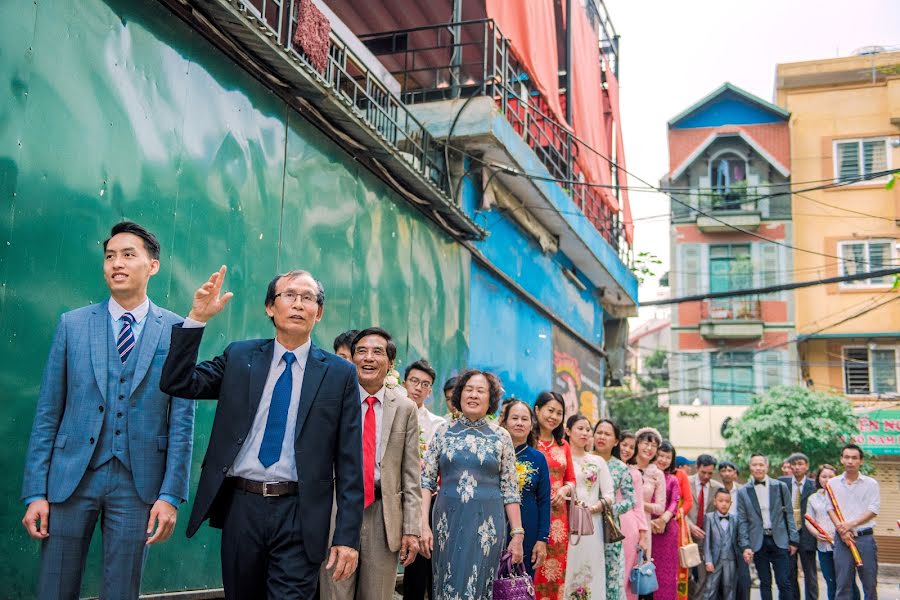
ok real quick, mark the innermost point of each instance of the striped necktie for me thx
(125, 343)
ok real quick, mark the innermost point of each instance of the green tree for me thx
(792, 419)
(632, 411)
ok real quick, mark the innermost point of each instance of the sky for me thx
(672, 54)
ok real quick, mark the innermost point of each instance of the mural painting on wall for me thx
(576, 375)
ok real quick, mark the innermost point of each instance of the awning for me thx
(879, 430)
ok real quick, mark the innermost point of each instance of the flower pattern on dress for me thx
(625, 500)
(466, 486)
(471, 592)
(591, 473)
(558, 532)
(580, 586)
(558, 454)
(443, 531)
(487, 535)
(553, 570)
(524, 471)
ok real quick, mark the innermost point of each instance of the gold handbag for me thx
(688, 551)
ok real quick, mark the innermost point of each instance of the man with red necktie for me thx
(391, 463)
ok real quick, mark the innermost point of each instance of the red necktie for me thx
(701, 508)
(369, 451)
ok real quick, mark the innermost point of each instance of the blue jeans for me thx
(826, 562)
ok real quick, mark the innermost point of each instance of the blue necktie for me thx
(125, 343)
(273, 438)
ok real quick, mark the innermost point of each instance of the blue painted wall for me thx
(728, 109)
(508, 337)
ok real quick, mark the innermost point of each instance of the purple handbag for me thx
(512, 582)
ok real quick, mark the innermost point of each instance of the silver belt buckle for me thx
(265, 490)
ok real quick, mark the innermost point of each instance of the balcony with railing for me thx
(731, 319)
(471, 59)
(348, 91)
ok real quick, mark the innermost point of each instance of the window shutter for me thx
(691, 377)
(854, 257)
(884, 370)
(856, 370)
(874, 156)
(879, 257)
(689, 267)
(770, 264)
(848, 160)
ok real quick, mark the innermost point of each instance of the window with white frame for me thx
(856, 160)
(870, 370)
(864, 256)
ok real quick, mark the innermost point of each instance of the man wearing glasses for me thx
(286, 440)
(419, 380)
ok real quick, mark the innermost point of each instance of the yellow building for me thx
(845, 134)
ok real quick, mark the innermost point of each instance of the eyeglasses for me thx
(416, 382)
(290, 297)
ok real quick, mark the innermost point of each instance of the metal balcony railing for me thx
(473, 58)
(731, 309)
(361, 91)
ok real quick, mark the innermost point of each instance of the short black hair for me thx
(450, 384)
(722, 491)
(706, 460)
(151, 244)
(345, 339)
(852, 446)
(798, 456)
(421, 365)
(391, 346)
(495, 390)
(727, 464)
(666, 446)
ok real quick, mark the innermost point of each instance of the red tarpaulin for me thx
(613, 86)
(587, 104)
(531, 29)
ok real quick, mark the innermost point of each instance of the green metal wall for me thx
(113, 110)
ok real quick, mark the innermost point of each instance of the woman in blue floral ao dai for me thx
(475, 462)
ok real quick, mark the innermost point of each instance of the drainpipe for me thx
(456, 56)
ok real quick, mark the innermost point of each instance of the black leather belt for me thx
(767, 532)
(378, 492)
(265, 488)
(866, 531)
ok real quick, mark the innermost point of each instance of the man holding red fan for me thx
(855, 502)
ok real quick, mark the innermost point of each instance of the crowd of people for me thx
(326, 472)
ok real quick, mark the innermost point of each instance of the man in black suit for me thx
(801, 488)
(285, 438)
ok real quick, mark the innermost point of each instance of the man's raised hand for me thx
(208, 299)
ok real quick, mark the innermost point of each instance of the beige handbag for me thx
(581, 521)
(688, 551)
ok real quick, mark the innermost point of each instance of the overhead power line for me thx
(775, 288)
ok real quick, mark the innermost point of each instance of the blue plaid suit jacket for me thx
(69, 418)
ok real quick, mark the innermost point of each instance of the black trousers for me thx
(418, 577)
(805, 559)
(262, 550)
(771, 560)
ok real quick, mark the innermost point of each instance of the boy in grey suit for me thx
(106, 443)
(720, 548)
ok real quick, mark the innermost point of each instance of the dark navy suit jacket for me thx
(328, 444)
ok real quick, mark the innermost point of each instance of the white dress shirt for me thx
(762, 494)
(734, 497)
(139, 313)
(378, 407)
(723, 523)
(856, 498)
(247, 463)
(428, 423)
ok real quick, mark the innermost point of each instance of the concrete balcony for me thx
(731, 319)
(726, 221)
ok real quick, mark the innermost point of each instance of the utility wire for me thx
(775, 288)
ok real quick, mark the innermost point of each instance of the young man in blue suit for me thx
(285, 441)
(106, 442)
